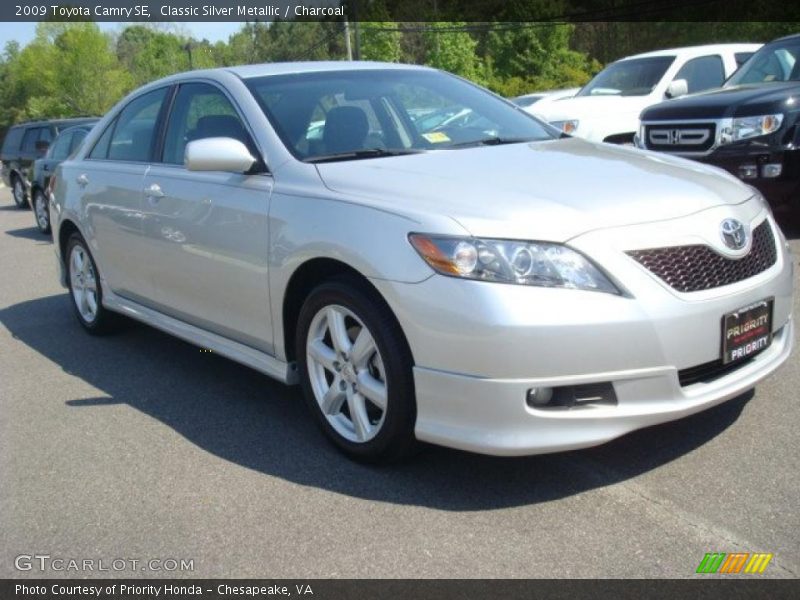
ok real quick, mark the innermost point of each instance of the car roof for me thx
(697, 50)
(71, 122)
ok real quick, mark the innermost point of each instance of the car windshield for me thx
(775, 62)
(347, 115)
(634, 77)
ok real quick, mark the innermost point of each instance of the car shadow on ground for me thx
(30, 233)
(244, 417)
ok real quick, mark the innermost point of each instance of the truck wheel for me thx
(18, 188)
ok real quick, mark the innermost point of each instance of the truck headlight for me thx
(542, 264)
(744, 128)
(568, 127)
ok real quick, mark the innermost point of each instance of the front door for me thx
(208, 231)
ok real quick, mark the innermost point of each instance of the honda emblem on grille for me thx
(733, 234)
(675, 136)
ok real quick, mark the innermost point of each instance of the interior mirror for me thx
(677, 88)
(218, 154)
(42, 146)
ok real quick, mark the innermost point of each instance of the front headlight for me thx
(744, 128)
(506, 261)
(568, 127)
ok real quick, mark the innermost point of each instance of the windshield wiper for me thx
(359, 154)
(491, 141)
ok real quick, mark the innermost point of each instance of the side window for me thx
(46, 135)
(77, 140)
(29, 140)
(702, 73)
(133, 134)
(200, 111)
(100, 149)
(60, 150)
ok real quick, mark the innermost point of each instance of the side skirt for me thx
(250, 357)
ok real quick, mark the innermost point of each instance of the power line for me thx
(647, 8)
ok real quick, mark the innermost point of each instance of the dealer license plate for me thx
(747, 331)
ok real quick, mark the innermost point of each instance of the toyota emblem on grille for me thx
(733, 234)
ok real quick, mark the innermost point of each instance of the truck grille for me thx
(699, 267)
(687, 137)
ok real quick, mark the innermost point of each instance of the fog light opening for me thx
(748, 171)
(539, 397)
(572, 396)
(771, 170)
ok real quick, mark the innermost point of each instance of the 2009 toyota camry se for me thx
(428, 261)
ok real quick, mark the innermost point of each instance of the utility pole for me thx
(347, 40)
(357, 29)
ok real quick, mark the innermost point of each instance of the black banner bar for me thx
(732, 588)
(408, 11)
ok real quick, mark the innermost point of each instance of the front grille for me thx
(698, 267)
(687, 137)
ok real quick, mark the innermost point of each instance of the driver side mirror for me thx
(677, 88)
(218, 154)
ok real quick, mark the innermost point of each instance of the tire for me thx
(349, 374)
(41, 211)
(18, 192)
(85, 290)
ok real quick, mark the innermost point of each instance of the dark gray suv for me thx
(23, 144)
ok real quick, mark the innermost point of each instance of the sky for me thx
(24, 32)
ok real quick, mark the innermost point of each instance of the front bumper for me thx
(480, 347)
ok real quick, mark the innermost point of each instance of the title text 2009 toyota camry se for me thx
(428, 261)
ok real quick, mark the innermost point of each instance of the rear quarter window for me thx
(11, 142)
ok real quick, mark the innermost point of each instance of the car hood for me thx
(591, 107)
(733, 101)
(550, 190)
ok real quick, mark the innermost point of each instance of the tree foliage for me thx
(75, 69)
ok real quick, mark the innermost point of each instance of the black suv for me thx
(748, 127)
(23, 144)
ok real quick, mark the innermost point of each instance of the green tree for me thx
(381, 41)
(149, 54)
(452, 50)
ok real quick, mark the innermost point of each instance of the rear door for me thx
(111, 178)
(207, 231)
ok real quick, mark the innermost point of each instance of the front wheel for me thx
(18, 190)
(355, 370)
(41, 210)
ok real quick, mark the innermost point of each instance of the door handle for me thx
(82, 180)
(153, 192)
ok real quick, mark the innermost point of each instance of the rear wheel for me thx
(355, 369)
(85, 290)
(18, 190)
(41, 210)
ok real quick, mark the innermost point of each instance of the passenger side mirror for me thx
(677, 88)
(218, 154)
(41, 147)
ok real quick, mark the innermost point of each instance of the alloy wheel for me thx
(346, 373)
(42, 213)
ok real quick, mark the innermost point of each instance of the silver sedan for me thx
(480, 282)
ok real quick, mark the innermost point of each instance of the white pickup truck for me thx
(607, 108)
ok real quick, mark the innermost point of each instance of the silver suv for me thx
(427, 260)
